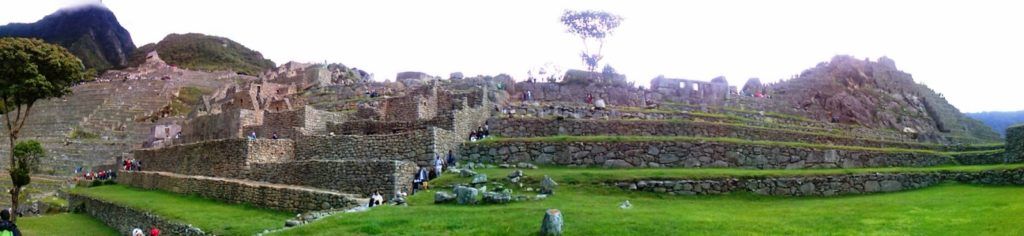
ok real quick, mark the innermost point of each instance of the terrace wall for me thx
(691, 154)
(279, 197)
(822, 185)
(124, 219)
(576, 127)
(1015, 142)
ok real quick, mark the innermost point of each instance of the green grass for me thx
(210, 216)
(63, 224)
(588, 209)
(610, 138)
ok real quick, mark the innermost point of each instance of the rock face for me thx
(92, 33)
(877, 95)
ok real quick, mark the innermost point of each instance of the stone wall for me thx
(1015, 142)
(124, 219)
(278, 197)
(410, 146)
(576, 127)
(691, 154)
(985, 158)
(224, 125)
(822, 185)
(361, 177)
(225, 157)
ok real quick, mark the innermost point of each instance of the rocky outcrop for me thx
(877, 95)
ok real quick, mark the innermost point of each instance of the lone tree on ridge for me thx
(591, 26)
(30, 70)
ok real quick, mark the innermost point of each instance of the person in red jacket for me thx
(154, 232)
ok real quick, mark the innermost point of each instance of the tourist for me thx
(274, 136)
(590, 98)
(599, 104)
(154, 231)
(252, 136)
(438, 165)
(451, 159)
(6, 226)
(137, 232)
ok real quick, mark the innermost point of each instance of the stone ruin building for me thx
(320, 160)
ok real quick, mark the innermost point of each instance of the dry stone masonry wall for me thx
(822, 185)
(692, 154)
(124, 219)
(575, 127)
(1015, 142)
(224, 158)
(279, 197)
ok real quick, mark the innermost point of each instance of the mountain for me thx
(999, 120)
(878, 95)
(205, 52)
(90, 32)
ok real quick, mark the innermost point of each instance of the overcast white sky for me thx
(968, 50)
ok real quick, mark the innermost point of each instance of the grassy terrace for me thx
(791, 131)
(591, 209)
(600, 175)
(608, 138)
(63, 224)
(211, 216)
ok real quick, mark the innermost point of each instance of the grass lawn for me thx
(63, 224)
(589, 209)
(209, 215)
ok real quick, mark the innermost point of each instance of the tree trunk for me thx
(14, 189)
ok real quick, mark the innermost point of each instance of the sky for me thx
(970, 51)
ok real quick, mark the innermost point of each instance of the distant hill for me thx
(876, 94)
(999, 120)
(90, 32)
(205, 52)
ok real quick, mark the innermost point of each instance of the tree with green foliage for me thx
(31, 70)
(591, 26)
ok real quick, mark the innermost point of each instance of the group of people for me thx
(480, 133)
(132, 165)
(101, 175)
(152, 232)
(423, 175)
(252, 136)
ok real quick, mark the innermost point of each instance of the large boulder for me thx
(466, 195)
(443, 197)
(479, 179)
(497, 197)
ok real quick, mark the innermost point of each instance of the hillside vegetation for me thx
(205, 52)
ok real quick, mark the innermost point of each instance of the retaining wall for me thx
(1015, 142)
(279, 197)
(225, 157)
(691, 154)
(577, 127)
(124, 219)
(824, 185)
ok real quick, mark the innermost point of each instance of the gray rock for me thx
(525, 165)
(467, 173)
(891, 186)
(443, 197)
(547, 186)
(497, 197)
(465, 195)
(479, 179)
(552, 224)
(871, 186)
(617, 163)
(291, 223)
